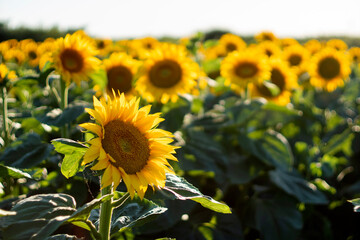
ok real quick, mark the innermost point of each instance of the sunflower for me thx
(74, 58)
(127, 145)
(15, 55)
(354, 53)
(266, 36)
(287, 42)
(338, 44)
(5, 73)
(297, 58)
(32, 53)
(313, 46)
(104, 46)
(166, 73)
(120, 70)
(284, 79)
(139, 48)
(240, 68)
(269, 48)
(329, 68)
(231, 42)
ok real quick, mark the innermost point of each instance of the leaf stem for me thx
(105, 214)
(121, 200)
(4, 115)
(64, 89)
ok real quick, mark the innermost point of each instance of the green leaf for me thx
(134, 212)
(273, 88)
(41, 215)
(57, 117)
(275, 218)
(35, 212)
(99, 77)
(356, 203)
(178, 188)
(73, 151)
(295, 185)
(242, 169)
(6, 171)
(270, 147)
(6, 213)
(174, 118)
(62, 237)
(242, 112)
(26, 152)
(340, 142)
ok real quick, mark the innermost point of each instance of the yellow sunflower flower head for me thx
(269, 48)
(240, 68)
(329, 69)
(266, 36)
(15, 55)
(287, 42)
(120, 71)
(313, 46)
(166, 73)
(31, 52)
(284, 79)
(354, 53)
(74, 58)
(128, 146)
(297, 58)
(338, 44)
(231, 42)
(5, 73)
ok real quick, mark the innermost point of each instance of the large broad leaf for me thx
(39, 216)
(57, 117)
(178, 188)
(295, 185)
(63, 237)
(6, 171)
(27, 152)
(174, 117)
(275, 218)
(73, 151)
(132, 213)
(270, 147)
(241, 113)
(340, 142)
(201, 152)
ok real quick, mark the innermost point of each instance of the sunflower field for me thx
(191, 138)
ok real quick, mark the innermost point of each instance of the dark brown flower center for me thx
(32, 55)
(230, 47)
(246, 70)
(278, 79)
(329, 68)
(165, 74)
(295, 60)
(119, 78)
(126, 145)
(72, 60)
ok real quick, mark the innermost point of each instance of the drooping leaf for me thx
(57, 117)
(270, 147)
(26, 152)
(340, 142)
(6, 171)
(178, 188)
(134, 212)
(73, 151)
(295, 185)
(275, 218)
(63, 237)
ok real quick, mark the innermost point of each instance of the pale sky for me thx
(139, 18)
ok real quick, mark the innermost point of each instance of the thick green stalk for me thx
(106, 210)
(4, 115)
(63, 105)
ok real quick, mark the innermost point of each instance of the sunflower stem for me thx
(4, 115)
(64, 89)
(105, 214)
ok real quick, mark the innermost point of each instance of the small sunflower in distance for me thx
(128, 145)
(120, 70)
(297, 58)
(329, 68)
(284, 79)
(166, 73)
(74, 58)
(231, 42)
(240, 68)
